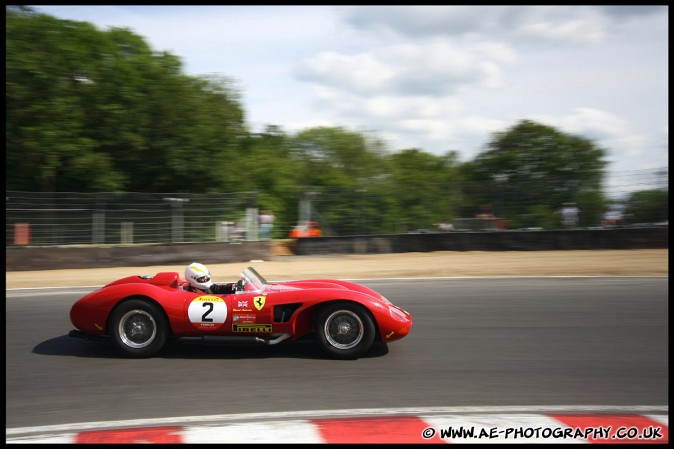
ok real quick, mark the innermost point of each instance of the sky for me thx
(436, 78)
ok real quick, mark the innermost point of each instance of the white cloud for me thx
(437, 69)
(580, 30)
(592, 123)
(578, 24)
(431, 77)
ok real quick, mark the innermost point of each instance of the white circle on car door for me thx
(207, 312)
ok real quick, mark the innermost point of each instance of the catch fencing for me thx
(68, 218)
(127, 218)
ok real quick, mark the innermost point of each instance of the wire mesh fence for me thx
(124, 218)
(68, 218)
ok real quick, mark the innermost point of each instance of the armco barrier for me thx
(573, 239)
(68, 257)
(26, 258)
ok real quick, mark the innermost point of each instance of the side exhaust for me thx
(212, 340)
(232, 340)
(76, 333)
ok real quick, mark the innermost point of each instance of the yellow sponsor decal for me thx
(259, 302)
(389, 334)
(209, 299)
(252, 328)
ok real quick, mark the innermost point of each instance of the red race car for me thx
(141, 313)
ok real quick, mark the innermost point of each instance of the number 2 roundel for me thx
(207, 312)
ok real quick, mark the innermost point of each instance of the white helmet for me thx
(198, 276)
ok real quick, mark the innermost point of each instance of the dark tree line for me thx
(91, 111)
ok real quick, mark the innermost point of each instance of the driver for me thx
(199, 281)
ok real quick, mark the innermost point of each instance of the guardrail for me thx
(520, 240)
(72, 257)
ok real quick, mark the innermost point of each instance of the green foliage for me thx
(648, 206)
(592, 205)
(266, 169)
(533, 165)
(99, 110)
(425, 188)
(536, 216)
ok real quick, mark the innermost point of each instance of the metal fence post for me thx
(177, 218)
(127, 232)
(98, 228)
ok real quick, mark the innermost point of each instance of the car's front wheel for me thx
(344, 330)
(138, 328)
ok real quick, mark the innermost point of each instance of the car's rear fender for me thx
(108, 324)
(91, 313)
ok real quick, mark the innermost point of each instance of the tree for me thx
(195, 132)
(424, 188)
(266, 168)
(530, 170)
(47, 70)
(341, 170)
(648, 206)
(91, 110)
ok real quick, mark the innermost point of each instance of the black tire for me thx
(344, 330)
(138, 328)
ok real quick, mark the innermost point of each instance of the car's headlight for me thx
(397, 313)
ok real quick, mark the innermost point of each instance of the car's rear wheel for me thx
(138, 328)
(344, 330)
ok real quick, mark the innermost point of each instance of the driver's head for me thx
(197, 276)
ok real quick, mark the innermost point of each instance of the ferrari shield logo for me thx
(259, 302)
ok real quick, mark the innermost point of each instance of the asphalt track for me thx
(476, 344)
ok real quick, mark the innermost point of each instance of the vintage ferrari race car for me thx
(141, 313)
